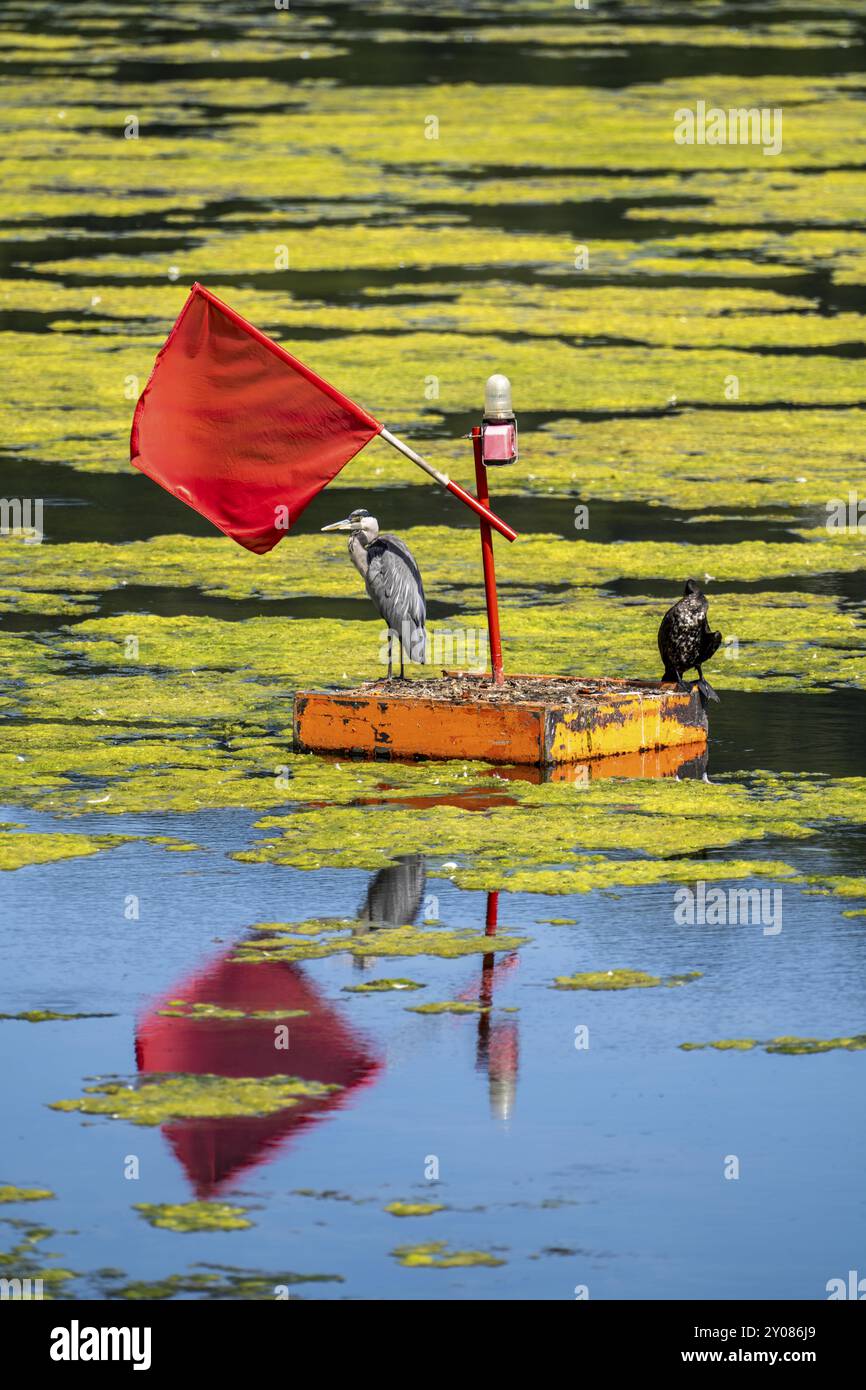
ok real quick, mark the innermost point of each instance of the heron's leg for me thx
(390, 654)
(402, 673)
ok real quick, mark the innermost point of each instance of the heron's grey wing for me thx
(394, 584)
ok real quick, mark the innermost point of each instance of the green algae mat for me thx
(8, 1193)
(187, 1217)
(194, 1097)
(786, 1047)
(700, 357)
(683, 325)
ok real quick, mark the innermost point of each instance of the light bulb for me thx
(497, 398)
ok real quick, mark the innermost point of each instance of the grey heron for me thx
(392, 580)
(685, 639)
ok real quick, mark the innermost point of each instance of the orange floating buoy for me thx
(541, 721)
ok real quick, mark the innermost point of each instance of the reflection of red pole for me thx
(492, 914)
(487, 558)
(488, 965)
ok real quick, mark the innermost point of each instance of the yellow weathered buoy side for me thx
(610, 723)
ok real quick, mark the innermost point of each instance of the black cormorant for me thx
(685, 639)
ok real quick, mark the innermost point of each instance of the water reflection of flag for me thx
(238, 428)
(321, 1048)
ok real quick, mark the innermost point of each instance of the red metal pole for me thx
(489, 567)
(454, 488)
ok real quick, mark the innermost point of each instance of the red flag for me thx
(238, 428)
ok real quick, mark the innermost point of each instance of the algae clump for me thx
(194, 1216)
(22, 1260)
(202, 1012)
(382, 986)
(9, 1193)
(435, 1255)
(448, 1006)
(786, 1046)
(49, 1016)
(793, 1047)
(389, 941)
(414, 1208)
(208, 1281)
(18, 849)
(620, 979)
(195, 1096)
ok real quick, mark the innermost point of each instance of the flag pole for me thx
(444, 481)
(487, 562)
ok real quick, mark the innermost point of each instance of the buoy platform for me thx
(541, 721)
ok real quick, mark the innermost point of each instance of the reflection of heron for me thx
(394, 897)
(395, 893)
(392, 579)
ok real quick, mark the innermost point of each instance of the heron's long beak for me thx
(339, 526)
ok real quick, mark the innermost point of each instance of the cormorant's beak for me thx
(345, 525)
